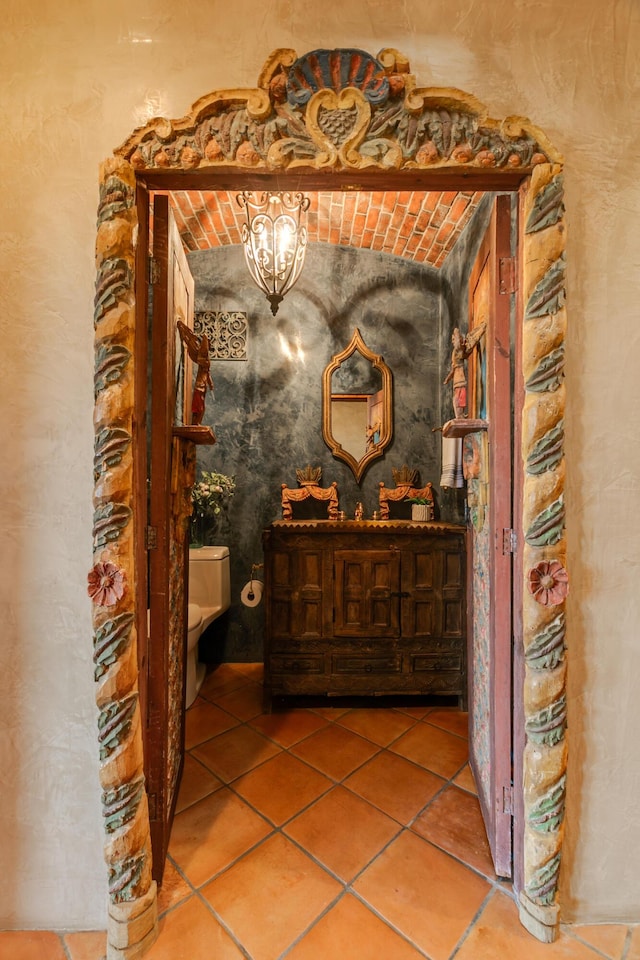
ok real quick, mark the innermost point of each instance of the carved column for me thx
(544, 554)
(132, 913)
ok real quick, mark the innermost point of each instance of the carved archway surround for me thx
(335, 114)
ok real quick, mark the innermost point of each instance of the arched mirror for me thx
(357, 418)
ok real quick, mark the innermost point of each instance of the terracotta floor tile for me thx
(90, 945)
(282, 787)
(220, 680)
(343, 831)
(609, 938)
(351, 930)
(633, 953)
(335, 751)
(425, 894)
(287, 727)
(191, 932)
(245, 704)
(174, 888)
(395, 785)
(197, 782)
(235, 752)
(205, 720)
(454, 822)
(465, 780)
(417, 712)
(30, 945)
(250, 671)
(451, 719)
(286, 890)
(379, 725)
(434, 749)
(498, 934)
(212, 833)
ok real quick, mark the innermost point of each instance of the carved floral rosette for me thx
(339, 110)
(544, 549)
(132, 914)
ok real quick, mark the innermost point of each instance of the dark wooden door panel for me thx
(367, 594)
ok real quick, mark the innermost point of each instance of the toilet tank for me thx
(209, 578)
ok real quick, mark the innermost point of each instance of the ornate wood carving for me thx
(112, 579)
(405, 480)
(331, 111)
(309, 480)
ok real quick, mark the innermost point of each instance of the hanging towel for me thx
(452, 462)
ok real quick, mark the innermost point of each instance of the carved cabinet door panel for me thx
(173, 299)
(489, 565)
(367, 595)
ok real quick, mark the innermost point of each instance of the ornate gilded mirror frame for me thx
(369, 124)
(374, 441)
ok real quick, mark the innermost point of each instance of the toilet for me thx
(209, 597)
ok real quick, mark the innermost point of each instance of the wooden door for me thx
(490, 540)
(171, 468)
(367, 593)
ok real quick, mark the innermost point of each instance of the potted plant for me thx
(210, 496)
(421, 509)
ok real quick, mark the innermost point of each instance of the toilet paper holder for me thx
(254, 567)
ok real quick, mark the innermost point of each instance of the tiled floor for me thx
(329, 832)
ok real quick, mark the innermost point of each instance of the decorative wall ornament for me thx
(114, 724)
(547, 528)
(106, 584)
(548, 725)
(110, 640)
(109, 447)
(549, 373)
(546, 649)
(548, 582)
(109, 520)
(375, 122)
(121, 804)
(548, 812)
(226, 331)
(548, 451)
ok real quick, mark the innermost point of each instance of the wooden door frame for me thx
(196, 152)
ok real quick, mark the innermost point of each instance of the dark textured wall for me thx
(267, 411)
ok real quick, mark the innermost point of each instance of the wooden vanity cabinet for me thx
(364, 608)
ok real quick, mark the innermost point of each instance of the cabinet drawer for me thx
(436, 662)
(346, 664)
(297, 664)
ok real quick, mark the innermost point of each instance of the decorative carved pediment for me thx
(338, 109)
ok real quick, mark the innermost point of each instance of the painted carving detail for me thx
(124, 877)
(110, 361)
(114, 723)
(110, 640)
(548, 207)
(109, 520)
(546, 650)
(549, 373)
(113, 281)
(106, 584)
(548, 526)
(548, 725)
(548, 451)
(548, 812)
(548, 582)
(542, 886)
(549, 294)
(109, 447)
(120, 804)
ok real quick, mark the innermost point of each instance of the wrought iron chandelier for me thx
(274, 238)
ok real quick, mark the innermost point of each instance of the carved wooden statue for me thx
(198, 350)
(463, 347)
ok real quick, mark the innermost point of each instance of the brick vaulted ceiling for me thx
(422, 227)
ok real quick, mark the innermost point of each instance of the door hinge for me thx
(509, 540)
(507, 275)
(507, 800)
(153, 270)
(151, 538)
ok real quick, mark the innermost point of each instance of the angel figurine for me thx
(198, 350)
(463, 347)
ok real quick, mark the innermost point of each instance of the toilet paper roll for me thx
(252, 593)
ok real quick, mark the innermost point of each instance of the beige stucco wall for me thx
(75, 79)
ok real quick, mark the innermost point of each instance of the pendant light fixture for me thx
(274, 238)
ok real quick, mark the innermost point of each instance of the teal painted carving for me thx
(546, 650)
(335, 70)
(110, 641)
(114, 723)
(549, 295)
(548, 812)
(124, 877)
(548, 725)
(548, 526)
(111, 360)
(548, 207)
(109, 520)
(116, 197)
(109, 447)
(542, 886)
(548, 451)
(548, 374)
(120, 804)
(112, 283)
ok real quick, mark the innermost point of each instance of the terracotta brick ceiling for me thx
(422, 227)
